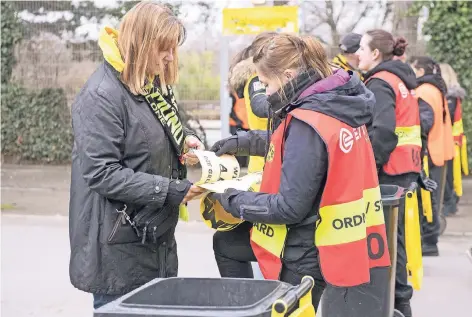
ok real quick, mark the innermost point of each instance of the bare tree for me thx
(404, 23)
(341, 17)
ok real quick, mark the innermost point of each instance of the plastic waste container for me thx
(391, 198)
(209, 297)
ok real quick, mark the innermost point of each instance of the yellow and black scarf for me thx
(166, 111)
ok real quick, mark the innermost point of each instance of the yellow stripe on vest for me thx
(457, 128)
(347, 222)
(408, 135)
(271, 237)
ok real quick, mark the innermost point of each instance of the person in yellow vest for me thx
(440, 147)
(315, 214)
(347, 59)
(395, 131)
(244, 81)
(238, 119)
(455, 95)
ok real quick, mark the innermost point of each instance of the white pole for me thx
(225, 103)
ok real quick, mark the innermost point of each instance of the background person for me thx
(455, 95)
(127, 177)
(395, 132)
(433, 89)
(244, 81)
(347, 59)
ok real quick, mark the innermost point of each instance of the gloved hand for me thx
(226, 146)
(427, 183)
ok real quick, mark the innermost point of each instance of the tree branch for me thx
(341, 11)
(364, 13)
(388, 10)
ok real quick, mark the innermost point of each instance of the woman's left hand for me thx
(192, 142)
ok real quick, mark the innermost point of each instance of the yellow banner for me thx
(260, 19)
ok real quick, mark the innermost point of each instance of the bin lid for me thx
(198, 297)
(391, 195)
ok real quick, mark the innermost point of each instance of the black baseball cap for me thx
(350, 43)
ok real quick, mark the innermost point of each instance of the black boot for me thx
(404, 307)
(430, 250)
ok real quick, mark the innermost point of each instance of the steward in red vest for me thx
(433, 89)
(319, 209)
(395, 131)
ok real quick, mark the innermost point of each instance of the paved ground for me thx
(35, 251)
(35, 282)
(44, 190)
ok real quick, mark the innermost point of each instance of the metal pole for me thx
(225, 104)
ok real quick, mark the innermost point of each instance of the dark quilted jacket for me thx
(121, 156)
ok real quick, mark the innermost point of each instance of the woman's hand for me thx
(193, 193)
(192, 142)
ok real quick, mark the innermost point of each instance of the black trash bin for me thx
(192, 297)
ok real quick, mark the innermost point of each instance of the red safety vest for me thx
(440, 139)
(457, 127)
(239, 108)
(350, 233)
(406, 157)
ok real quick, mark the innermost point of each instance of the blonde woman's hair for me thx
(290, 51)
(449, 75)
(146, 30)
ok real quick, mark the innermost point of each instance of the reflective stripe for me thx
(344, 223)
(457, 128)
(271, 237)
(408, 135)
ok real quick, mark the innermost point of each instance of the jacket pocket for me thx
(118, 230)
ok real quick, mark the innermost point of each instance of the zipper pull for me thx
(123, 220)
(154, 238)
(144, 235)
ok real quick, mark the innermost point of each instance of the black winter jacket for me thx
(121, 156)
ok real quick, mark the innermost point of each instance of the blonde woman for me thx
(455, 95)
(128, 177)
(309, 184)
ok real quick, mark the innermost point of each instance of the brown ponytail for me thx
(386, 44)
(314, 56)
(287, 51)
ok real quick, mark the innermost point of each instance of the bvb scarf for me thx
(166, 111)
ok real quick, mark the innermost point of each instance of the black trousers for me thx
(233, 255)
(450, 197)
